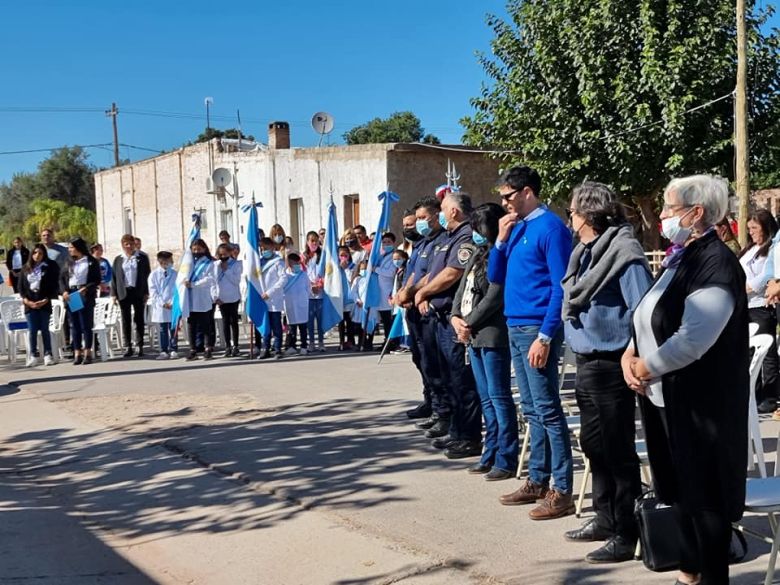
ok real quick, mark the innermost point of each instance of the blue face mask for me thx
(442, 220)
(267, 254)
(479, 239)
(398, 263)
(296, 269)
(423, 228)
(388, 249)
(362, 272)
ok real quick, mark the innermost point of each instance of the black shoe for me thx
(616, 550)
(463, 449)
(440, 428)
(87, 360)
(497, 474)
(422, 410)
(479, 469)
(442, 442)
(228, 353)
(427, 423)
(140, 351)
(588, 532)
(767, 405)
(128, 352)
(265, 355)
(208, 355)
(236, 352)
(278, 355)
(192, 356)
(78, 360)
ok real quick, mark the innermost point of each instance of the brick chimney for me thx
(278, 135)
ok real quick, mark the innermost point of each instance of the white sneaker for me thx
(48, 360)
(163, 356)
(31, 361)
(173, 355)
(290, 351)
(304, 351)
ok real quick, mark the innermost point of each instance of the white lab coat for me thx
(296, 298)
(386, 272)
(312, 270)
(161, 291)
(358, 291)
(273, 277)
(229, 281)
(203, 293)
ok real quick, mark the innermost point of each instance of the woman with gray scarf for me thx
(606, 278)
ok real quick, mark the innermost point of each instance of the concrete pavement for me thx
(293, 472)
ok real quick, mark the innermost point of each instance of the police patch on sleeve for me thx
(464, 254)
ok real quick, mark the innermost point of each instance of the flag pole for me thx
(248, 318)
(384, 350)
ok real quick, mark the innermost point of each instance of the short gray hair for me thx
(462, 201)
(709, 191)
(598, 204)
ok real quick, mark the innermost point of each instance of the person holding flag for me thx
(201, 283)
(272, 278)
(256, 309)
(331, 278)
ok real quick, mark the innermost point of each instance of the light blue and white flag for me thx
(256, 308)
(180, 305)
(400, 328)
(333, 289)
(373, 295)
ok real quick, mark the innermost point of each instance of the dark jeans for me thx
(167, 340)
(491, 367)
(81, 326)
(38, 320)
(441, 401)
(134, 302)
(413, 320)
(14, 276)
(201, 325)
(275, 321)
(541, 404)
(766, 319)
(229, 313)
(705, 541)
(607, 408)
(295, 331)
(315, 314)
(346, 331)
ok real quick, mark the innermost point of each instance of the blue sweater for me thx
(530, 266)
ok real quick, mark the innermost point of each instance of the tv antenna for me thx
(322, 122)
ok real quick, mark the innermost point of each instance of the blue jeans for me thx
(275, 322)
(81, 326)
(541, 404)
(38, 320)
(315, 314)
(491, 367)
(167, 341)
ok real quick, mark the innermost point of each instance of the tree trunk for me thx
(650, 237)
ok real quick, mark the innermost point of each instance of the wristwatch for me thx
(543, 340)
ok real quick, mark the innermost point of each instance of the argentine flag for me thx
(180, 307)
(333, 289)
(400, 329)
(373, 296)
(256, 309)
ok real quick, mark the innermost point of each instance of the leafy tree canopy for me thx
(210, 133)
(599, 89)
(398, 127)
(68, 221)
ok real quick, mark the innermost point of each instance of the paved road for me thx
(298, 472)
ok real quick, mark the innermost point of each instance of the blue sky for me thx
(272, 60)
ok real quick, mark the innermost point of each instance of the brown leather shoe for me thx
(527, 493)
(555, 505)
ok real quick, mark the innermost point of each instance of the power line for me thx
(54, 148)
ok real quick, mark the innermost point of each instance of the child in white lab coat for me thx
(162, 288)
(296, 305)
(358, 292)
(346, 329)
(202, 285)
(228, 271)
(273, 277)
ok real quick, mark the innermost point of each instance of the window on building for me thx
(296, 222)
(128, 221)
(351, 210)
(226, 220)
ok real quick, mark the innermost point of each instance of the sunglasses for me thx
(508, 196)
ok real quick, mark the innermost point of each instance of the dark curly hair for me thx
(598, 205)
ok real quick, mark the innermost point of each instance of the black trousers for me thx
(133, 302)
(229, 313)
(766, 319)
(607, 407)
(705, 540)
(386, 317)
(346, 331)
(414, 322)
(201, 326)
(296, 331)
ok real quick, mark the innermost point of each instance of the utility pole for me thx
(112, 113)
(742, 171)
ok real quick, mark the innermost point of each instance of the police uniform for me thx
(451, 380)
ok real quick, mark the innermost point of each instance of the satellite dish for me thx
(322, 122)
(221, 177)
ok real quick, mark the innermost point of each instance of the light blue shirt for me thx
(769, 268)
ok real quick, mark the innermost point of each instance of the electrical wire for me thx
(54, 148)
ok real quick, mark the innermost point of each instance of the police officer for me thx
(428, 226)
(455, 381)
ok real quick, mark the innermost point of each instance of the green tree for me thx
(68, 221)
(67, 176)
(210, 133)
(398, 127)
(599, 89)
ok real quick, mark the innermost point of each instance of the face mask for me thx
(197, 255)
(398, 263)
(224, 258)
(296, 269)
(313, 246)
(267, 254)
(478, 239)
(423, 228)
(278, 239)
(74, 257)
(362, 272)
(344, 259)
(411, 235)
(388, 249)
(442, 220)
(673, 231)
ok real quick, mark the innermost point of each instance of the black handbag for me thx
(659, 535)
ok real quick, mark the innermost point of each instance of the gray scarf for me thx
(610, 254)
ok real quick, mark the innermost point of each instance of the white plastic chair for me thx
(56, 321)
(752, 329)
(760, 345)
(100, 331)
(218, 341)
(14, 324)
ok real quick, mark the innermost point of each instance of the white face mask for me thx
(673, 231)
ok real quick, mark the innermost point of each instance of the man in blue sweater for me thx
(530, 260)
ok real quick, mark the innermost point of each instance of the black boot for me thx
(128, 352)
(616, 550)
(422, 410)
(427, 423)
(440, 428)
(463, 449)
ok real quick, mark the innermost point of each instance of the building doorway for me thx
(351, 210)
(296, 222)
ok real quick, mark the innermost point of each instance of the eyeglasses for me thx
(508, 196)
(673, 208)
(570, 212)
